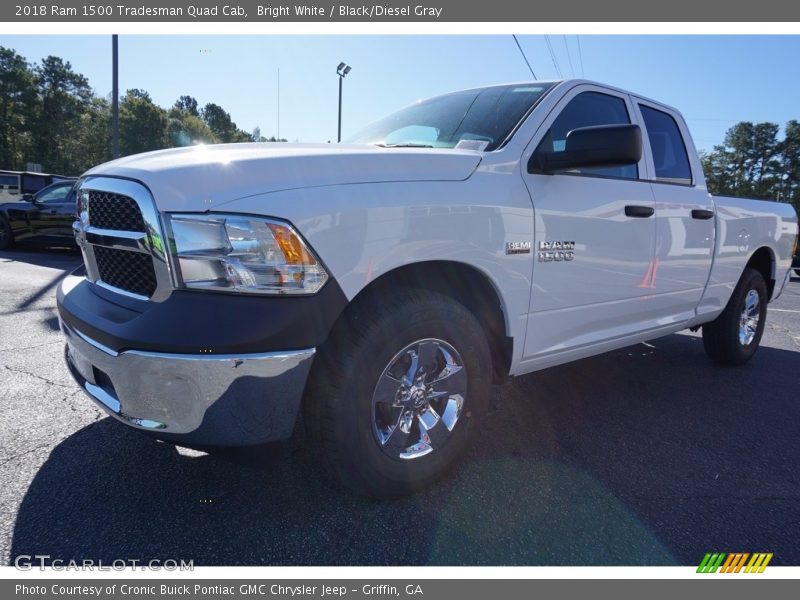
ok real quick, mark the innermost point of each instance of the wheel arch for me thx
(462, 282)
(763, 261)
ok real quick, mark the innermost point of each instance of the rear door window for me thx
(666, 144)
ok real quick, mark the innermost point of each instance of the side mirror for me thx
(599, 146)
(27, 197)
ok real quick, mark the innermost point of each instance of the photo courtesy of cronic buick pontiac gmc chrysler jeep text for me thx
(377, 288)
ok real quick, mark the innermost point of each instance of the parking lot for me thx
(647, 455)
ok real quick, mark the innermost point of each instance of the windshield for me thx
(480, 119)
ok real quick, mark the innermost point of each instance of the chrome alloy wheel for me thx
(418, 399)
(748, 322)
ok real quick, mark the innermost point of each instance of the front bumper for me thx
(196, 368)
(228, 400)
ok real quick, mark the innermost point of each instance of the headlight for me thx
(238, 253)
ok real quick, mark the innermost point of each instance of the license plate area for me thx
(80, 363)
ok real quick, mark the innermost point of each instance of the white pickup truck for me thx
(379, 287)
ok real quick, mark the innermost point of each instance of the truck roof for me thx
(570, 82)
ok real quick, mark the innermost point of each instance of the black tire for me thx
(6, 237)
(721, 337)
(339, 409)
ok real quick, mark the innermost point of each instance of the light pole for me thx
(114, 97)
(342, 70)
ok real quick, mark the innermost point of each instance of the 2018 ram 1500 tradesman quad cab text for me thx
(382, 285)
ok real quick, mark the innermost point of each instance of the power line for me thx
(569, 57)
(580, 53)
(523, 55)
(553, 56)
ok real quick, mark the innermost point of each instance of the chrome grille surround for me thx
(150, 242)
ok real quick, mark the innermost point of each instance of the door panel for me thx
(54, 212)
(684, 247)
(602, 293)
(53, 219)
(56, 219)
(589, 298)
(684, 214)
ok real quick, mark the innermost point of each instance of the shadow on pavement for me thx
(42, 256)
(66, 260)
(647, 455)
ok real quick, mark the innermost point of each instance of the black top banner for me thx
(426, 11)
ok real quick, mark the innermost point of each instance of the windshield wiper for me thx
(410, 145)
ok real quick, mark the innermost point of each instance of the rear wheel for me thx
(396, 392)
(6, 237)
(733, 337)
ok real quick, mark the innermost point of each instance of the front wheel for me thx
(395, 394)
(733, 337)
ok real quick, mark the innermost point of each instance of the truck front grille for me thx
(114, 211)
(126, 270)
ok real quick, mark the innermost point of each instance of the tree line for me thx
(753, 161)
(50, 115)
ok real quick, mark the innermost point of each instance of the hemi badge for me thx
(518, 247)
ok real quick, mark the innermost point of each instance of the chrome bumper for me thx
(213, 400)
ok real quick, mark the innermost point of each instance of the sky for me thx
(714, 80)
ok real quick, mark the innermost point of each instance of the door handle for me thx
(702, 214)
(641, 212)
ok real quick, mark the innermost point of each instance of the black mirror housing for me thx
(598, 146)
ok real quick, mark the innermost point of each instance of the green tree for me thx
(221, 125)
(187, 104)
(142, 123)
(790, 164)
(49, 114)
(748, 163)
(91, 145)
(17, 108)
(64, 97)
(718, 171)
(185, 129)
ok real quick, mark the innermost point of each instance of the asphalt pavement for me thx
(650, 455)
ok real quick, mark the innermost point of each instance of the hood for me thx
(181, 178)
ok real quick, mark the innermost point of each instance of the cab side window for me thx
(666, 143)
(586, 110)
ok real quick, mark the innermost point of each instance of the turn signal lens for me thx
(292, 246)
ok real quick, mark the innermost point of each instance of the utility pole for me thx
(114, 97)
